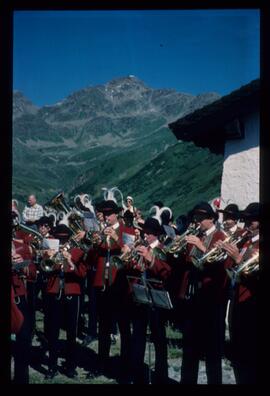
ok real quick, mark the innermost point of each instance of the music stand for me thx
(140, 291)
(160, 296)
(145, 292)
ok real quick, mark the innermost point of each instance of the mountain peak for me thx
(22, 105)
(127, 82)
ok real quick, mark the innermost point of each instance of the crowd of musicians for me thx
(206, 263)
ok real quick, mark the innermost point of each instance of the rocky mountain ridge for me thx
(102, 135)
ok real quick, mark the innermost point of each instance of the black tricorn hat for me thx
(128, 215)
(62, 232)
(204, 210)
(231, 211)
(108, 207)
(152, 226)
(98, 205)
(252, 211)
(45, 220)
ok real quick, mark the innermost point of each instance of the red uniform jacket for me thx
(98, 259)
(27, 238)
(212, 280)
(247, 288)
(17, 278)
(158, 269)
(71, 277)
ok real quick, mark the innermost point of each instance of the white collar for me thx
(154, 244)
(233, 229)
(210, 230)
(255, 238)
(115, 226)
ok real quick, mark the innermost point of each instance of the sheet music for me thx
(128, 239)
(50, 244)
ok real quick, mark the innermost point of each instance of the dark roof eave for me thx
(218, 113)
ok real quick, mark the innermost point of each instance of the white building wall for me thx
(240, 178)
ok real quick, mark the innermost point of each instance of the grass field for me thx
(87, 360)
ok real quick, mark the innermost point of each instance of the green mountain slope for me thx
(109, 135)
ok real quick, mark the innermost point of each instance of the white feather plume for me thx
(164, 209)
(109, 194)
(158, 212)
(62, 218)
(156, 216)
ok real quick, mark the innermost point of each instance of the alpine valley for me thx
(112, 135)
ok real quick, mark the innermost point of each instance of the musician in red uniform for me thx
(16, 315)
(243, 315)
(149, 266)
(204, 295)
(230, 218)
(44, 225)
(110, 285)
(63, 297)
(21, 255)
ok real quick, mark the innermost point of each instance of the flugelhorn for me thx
(217, 254)
(177, 244)
(122, 260)
(49, 264)
(247, 267)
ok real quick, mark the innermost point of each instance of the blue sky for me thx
(191, 51)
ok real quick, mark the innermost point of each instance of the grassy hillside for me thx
(180, 177)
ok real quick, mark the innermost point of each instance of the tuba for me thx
(248, 267)
(58, 202)
(65, 214)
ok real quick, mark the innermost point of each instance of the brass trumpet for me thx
(50, 264)
(248, 267)
(93, 237)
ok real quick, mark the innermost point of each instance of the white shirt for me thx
(34, 212)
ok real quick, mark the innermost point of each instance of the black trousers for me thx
(67, 307)
(92, 310)
(142, 316)
(110, 309)
(203, 337)
(243, 321)
(33, 289)
(22, 346)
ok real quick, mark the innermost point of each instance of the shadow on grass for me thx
(87, 359)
